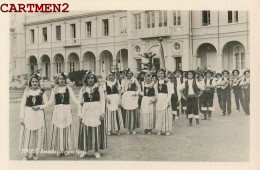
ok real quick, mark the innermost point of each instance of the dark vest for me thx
(149, 91)
(210, 83)
(62, 98)
(35, 100)
(132, 87)
(162, 88)
(194, 87)
(248, 88)
(237, 87)
(93, 97)
(113, 89)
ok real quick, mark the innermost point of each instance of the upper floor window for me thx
(150, 19)
(162, 18)
(137, 21)
(73, 30)
(123, 25)
(58, 32)
(137, 49)
(232, 16)
(205, 18)
(32, 36)
(88, 29)
(105, 27)
(44, 34)
(176, 18)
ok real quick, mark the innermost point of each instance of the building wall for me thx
(191, 35)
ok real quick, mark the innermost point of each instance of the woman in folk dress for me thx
(62, 139)
(92, 133)
(147, 104)
(32, 118)
(114, 120)
(130, 91)
(163, 121)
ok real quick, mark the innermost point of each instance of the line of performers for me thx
(123, 103)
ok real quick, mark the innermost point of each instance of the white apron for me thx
(129, 102)
(114, 102)
(162, 101)
(91, 112)
(33, 120)
(62, 116)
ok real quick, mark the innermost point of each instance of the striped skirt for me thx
(92, 138)
(164, 120)
(33, 141)
(131, 119)
(147, 113)
(62, 139)
(114, 120)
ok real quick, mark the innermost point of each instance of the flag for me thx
(162, 59)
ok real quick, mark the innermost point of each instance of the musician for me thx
(190, 91)
(237, 90)
(246, 89)
(208, 95)
(200, 78)
(218, 79)
(177, 83)
(226, 93)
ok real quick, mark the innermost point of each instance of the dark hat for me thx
(247, 71)
(218, 74)
(225, 71)
(177, 70)
(236, 70)
(208, 71)
(190, 71)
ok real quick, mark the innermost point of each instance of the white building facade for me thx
(103, 40)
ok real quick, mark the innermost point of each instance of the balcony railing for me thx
(72, 42)
(153, 32)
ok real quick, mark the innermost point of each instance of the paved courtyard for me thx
(223, 138)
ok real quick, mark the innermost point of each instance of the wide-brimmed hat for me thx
(178, 70)
(226, 72)
(190, 71)
(247, 71)
(208, 71)
(218, 74)
(236, 70)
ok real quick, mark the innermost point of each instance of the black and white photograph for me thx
(152, 85)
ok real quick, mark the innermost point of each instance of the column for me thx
(40, 68)
(114, 64)
(80, 65)
(66, 70)
(219, 62)
(98, 67)
(52, 71)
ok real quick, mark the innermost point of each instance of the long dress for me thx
(163, 121)
(130, 104)
(114, 120)
(148, 106)
(92, 131)
(62, 138)
(33, 137)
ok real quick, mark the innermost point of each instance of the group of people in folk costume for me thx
(105, 110)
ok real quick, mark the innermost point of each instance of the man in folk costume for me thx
(237, 90)
(190, 91)
(200, 78)
(177, 83)
(246, 89)
(208, 95)
(226, 93)
(174, 96)
(218, 79)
